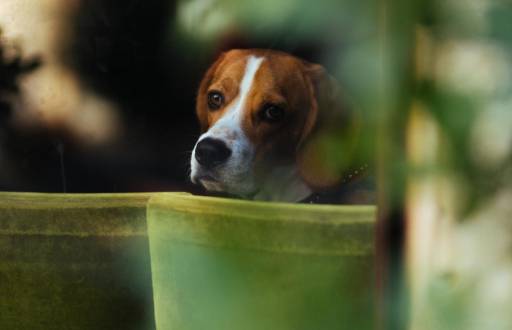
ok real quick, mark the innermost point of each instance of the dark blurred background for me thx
(140, 62)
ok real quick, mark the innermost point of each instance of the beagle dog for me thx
(263, 114)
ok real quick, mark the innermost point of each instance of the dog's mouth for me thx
(198, 179)
(215, 185)
(210, 182)
(206, 178)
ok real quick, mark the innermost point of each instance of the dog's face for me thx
(255, 108)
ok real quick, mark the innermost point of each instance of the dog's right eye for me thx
(272, 113)
(215, 100)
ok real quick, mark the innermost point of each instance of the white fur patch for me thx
(231, 122)
(234, 175)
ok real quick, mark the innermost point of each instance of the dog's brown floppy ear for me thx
(201, 101)
(325, 146)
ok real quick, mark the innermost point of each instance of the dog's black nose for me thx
(211, 152)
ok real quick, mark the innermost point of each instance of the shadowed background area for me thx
(110, 108)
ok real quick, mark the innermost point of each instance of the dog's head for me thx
(257, 110)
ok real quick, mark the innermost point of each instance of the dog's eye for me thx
(272, 113)
(215, 100)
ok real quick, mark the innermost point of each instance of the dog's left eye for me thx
(215, 100)
(272, 113)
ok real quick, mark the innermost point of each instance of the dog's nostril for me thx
(211, 152)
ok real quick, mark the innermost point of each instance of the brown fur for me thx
(304, 90)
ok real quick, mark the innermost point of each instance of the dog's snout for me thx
(212, 152)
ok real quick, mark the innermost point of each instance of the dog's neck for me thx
(283, 184)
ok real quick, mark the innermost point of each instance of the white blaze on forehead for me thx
(229, 130)
(252, 66)
(232, 119)
(234, 174)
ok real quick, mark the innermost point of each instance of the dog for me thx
(264, 117)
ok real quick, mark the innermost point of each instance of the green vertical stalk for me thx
(397, 19)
